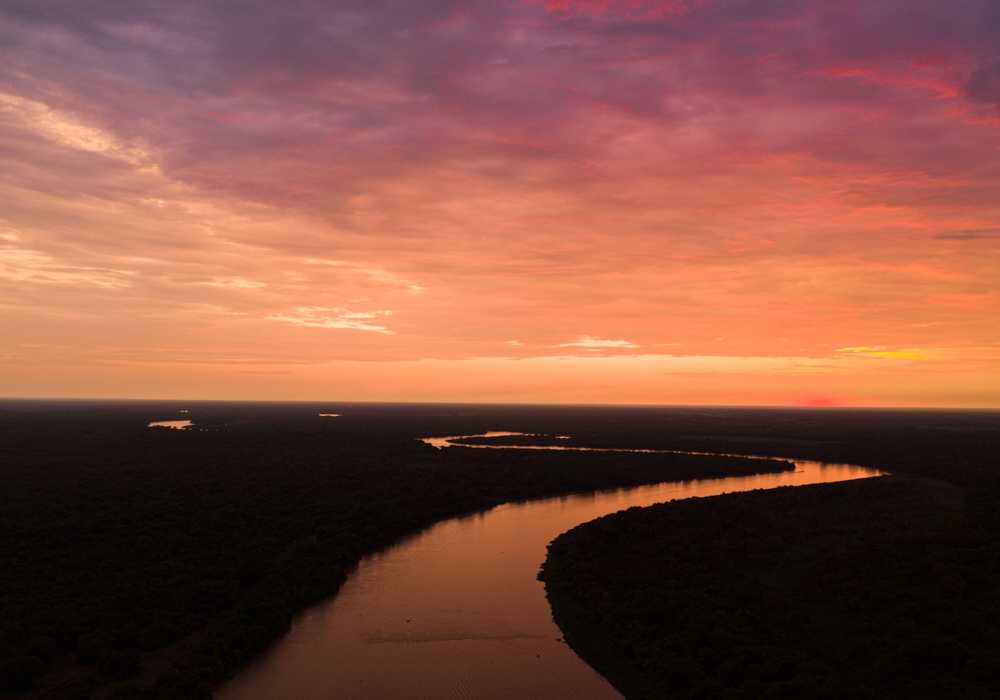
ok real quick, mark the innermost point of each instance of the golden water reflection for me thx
(175, 424)
(456, 611)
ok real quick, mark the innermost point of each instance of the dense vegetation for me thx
(149, 562)
(881, 588)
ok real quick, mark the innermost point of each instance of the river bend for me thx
(456, 611)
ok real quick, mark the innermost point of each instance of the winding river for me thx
(456, 611)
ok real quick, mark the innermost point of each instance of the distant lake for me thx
(176, 424)
(456, 611)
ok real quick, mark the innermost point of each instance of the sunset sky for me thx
(600, 201)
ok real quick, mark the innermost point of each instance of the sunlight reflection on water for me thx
(175, 424)
(456, 611)
(443, 442)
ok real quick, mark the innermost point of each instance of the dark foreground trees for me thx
(149, 562)
(879, 588)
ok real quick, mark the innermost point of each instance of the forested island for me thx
(140, 562)
(880, 588)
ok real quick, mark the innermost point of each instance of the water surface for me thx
(443, 442)
(456, 611)
(175, 424)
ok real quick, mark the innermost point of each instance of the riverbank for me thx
(118, 541)
(457, 611)
(877, 588)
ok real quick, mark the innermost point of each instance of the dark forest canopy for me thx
(880, 588)
(149, 562)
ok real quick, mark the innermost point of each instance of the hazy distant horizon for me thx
(481, 404)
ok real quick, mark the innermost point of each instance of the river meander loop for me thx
(456, 611)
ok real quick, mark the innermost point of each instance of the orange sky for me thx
(600, 201)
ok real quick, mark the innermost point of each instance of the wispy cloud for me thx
(23, 265)
(65, 130)
(234, 283)
(321, 317)
(596, 344)
(376, 274)
(883, 352)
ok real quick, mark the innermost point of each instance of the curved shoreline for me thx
(787, 586)
(440, 639)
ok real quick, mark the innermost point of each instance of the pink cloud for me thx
(207, 183)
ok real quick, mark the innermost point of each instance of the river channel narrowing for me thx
(456, 611)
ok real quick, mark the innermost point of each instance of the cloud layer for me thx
(305, 183)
